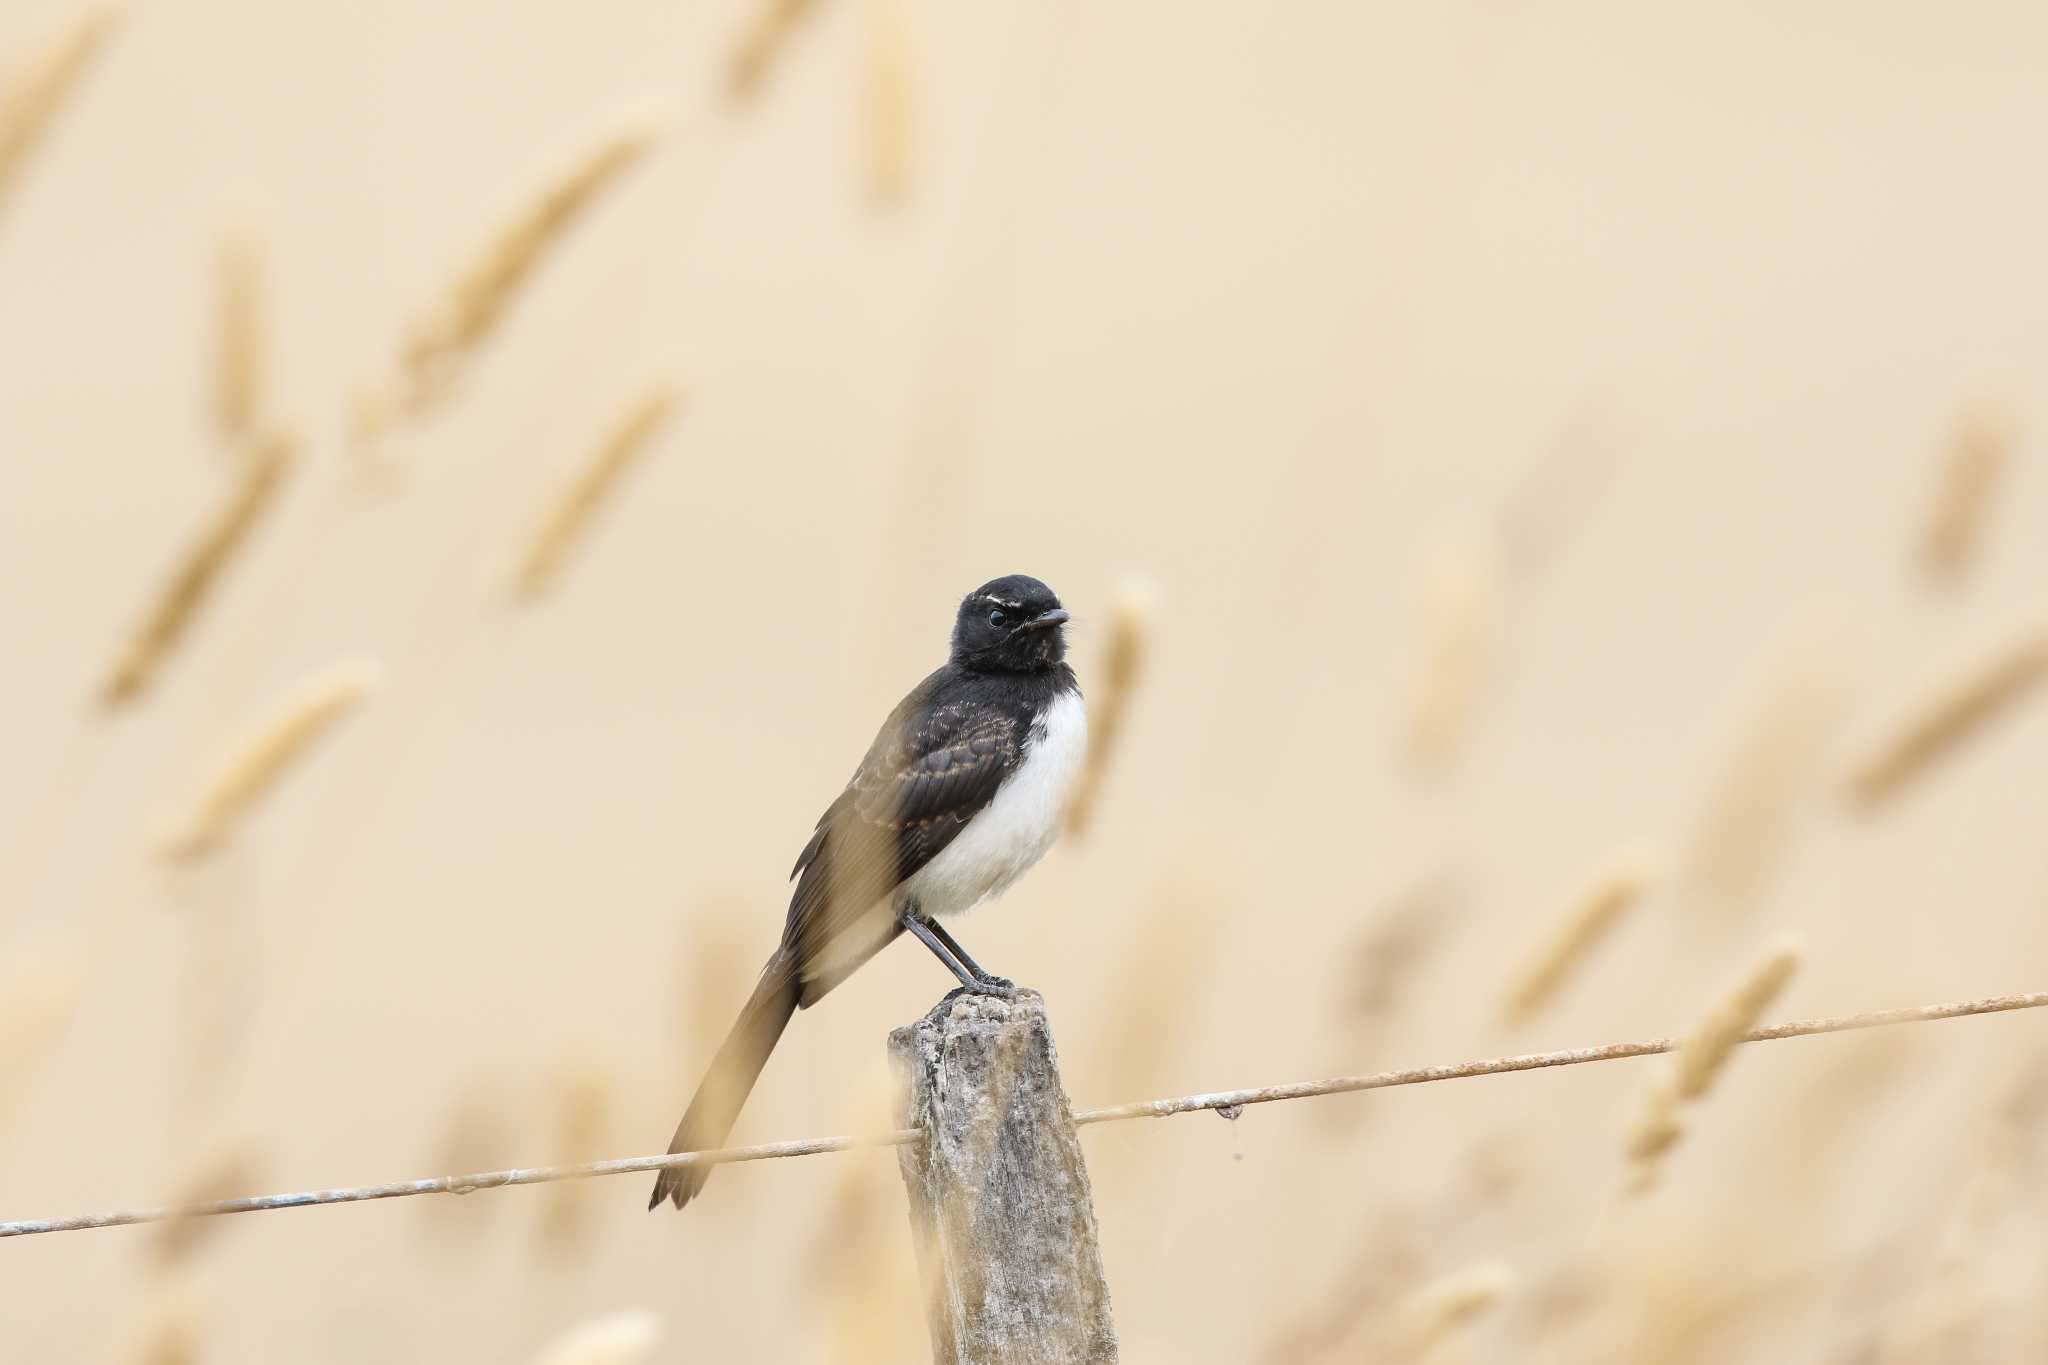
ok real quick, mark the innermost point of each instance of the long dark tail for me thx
(731, 1078)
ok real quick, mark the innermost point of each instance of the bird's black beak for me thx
(1046, 620)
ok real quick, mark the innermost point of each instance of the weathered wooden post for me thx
(999, 1202)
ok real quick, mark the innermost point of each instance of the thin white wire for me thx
(1229, 1102)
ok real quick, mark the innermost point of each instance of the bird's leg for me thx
(911, 918)
(983, 974)
(972, 979)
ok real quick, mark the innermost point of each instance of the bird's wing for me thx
(933, 767)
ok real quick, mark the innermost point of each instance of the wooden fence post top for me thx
(1000, 1206)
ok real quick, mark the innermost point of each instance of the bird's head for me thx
(1010, 625)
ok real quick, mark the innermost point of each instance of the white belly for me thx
(1019, 823)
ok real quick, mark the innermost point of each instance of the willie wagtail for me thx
(964, 788)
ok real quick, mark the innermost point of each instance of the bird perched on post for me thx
(964, 788)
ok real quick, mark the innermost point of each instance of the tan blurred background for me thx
(1608, 356)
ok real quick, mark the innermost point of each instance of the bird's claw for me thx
(995, 987)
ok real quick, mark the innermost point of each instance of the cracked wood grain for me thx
(1000, 1207)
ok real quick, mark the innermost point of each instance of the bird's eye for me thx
(997, 618)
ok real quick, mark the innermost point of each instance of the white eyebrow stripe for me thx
(991, 597)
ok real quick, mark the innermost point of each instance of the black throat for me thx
(1025, 696)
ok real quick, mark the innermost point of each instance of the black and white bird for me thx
(964, 788)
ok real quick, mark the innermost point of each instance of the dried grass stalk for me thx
(1383, 967)
(1950, 716)
(1123, 663)
(227, 1173)
(37, 995)
(1971, 469)
(220, 983)
(1152, 1010)
(615, 1339)
(888, 106)
(858, 1265)
(720, 958)
(1460, 595)
(474, 304)
(1593, 914)
(1385, 959)
(172, 1328)
(586, 1118)
(1429, 1316)
(1687, 1303)
(189, 585)
(1656, 1132)
(1696, 1064)
(572, 508)
(263, 755)
(1744, 831)
(848, 1219)
(479, 1133)
(762, 42)
(239, 368)
(1699, 1059)
(1378, 1276)
(32, 97)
